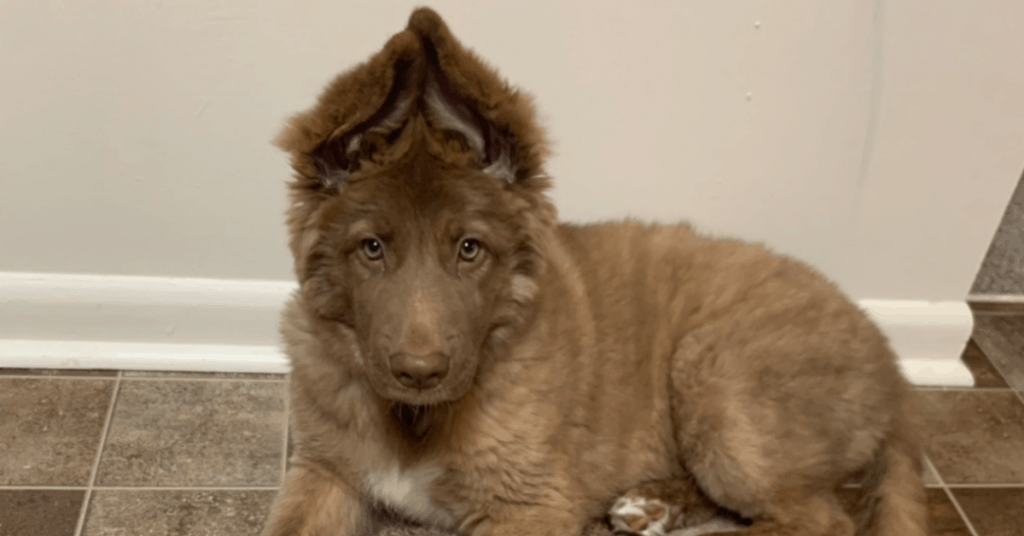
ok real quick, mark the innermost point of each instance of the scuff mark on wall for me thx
(206, 102)
(873, 110)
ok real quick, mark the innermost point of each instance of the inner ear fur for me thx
(342, 153)
(421, 70)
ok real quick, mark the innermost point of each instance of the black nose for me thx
(419, 372)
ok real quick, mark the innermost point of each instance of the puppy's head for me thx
(418, 215)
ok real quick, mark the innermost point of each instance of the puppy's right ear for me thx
(358, 111)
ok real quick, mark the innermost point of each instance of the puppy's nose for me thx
(419, 372)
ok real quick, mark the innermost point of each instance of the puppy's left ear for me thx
(373, 97)
(463, 94)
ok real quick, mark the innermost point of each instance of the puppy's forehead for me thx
(452, 191)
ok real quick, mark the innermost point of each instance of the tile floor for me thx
(122, 453)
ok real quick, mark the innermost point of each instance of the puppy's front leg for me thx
(316, 504)
(531, 521)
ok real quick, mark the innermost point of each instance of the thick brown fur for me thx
(578, 361)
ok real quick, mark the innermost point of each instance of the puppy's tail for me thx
(894, 501)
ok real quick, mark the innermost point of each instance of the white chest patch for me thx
(408, 492)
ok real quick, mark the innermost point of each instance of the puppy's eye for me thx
(373, 249)
(469, 250)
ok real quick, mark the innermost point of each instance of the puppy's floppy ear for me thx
(463, 94)
(445, 108)
(369, 102)
(424, 71)
(338, 157)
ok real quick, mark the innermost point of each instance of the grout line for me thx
(47, 377)
(180, 379)
(933, 471)
(952, 498)
(80, 526)
(1020, 395)
(960, 511)
(287, 419)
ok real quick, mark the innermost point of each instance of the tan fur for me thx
(581, 360)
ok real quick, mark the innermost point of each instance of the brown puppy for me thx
(465, 360)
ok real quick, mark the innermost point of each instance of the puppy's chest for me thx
(409, 491)
(450, 493)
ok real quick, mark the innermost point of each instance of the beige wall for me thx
(879, 140)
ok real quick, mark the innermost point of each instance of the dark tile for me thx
(50, 429)
(56, 372)
(39, 512)
(594, 528)
(397, 528)
(992, 304)
(985, 375)
(928, 478)
(195, 433)
(975, 436)
(178, 513)
(1001, 337)
(203, 375)
(993, 511)
(943, 519)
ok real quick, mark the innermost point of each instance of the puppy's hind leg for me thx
(750, 449)
(817, 515)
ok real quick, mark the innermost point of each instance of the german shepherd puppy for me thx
(463, 359)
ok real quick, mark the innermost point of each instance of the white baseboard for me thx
(212, 325)
(142, 356)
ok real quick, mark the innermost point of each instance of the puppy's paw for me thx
(643, 516)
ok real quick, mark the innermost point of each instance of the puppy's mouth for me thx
(414, 421)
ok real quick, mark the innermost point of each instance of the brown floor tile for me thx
(928, 478)
(993, 511)
(985, 375)
(39, 512)
(56, 372)
(1001, 337)
(203, 375)
(50, 429)
(975, 436)
(943, 520)
(195, 433)
(978, 304)
(398, 528)
(178, 513)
